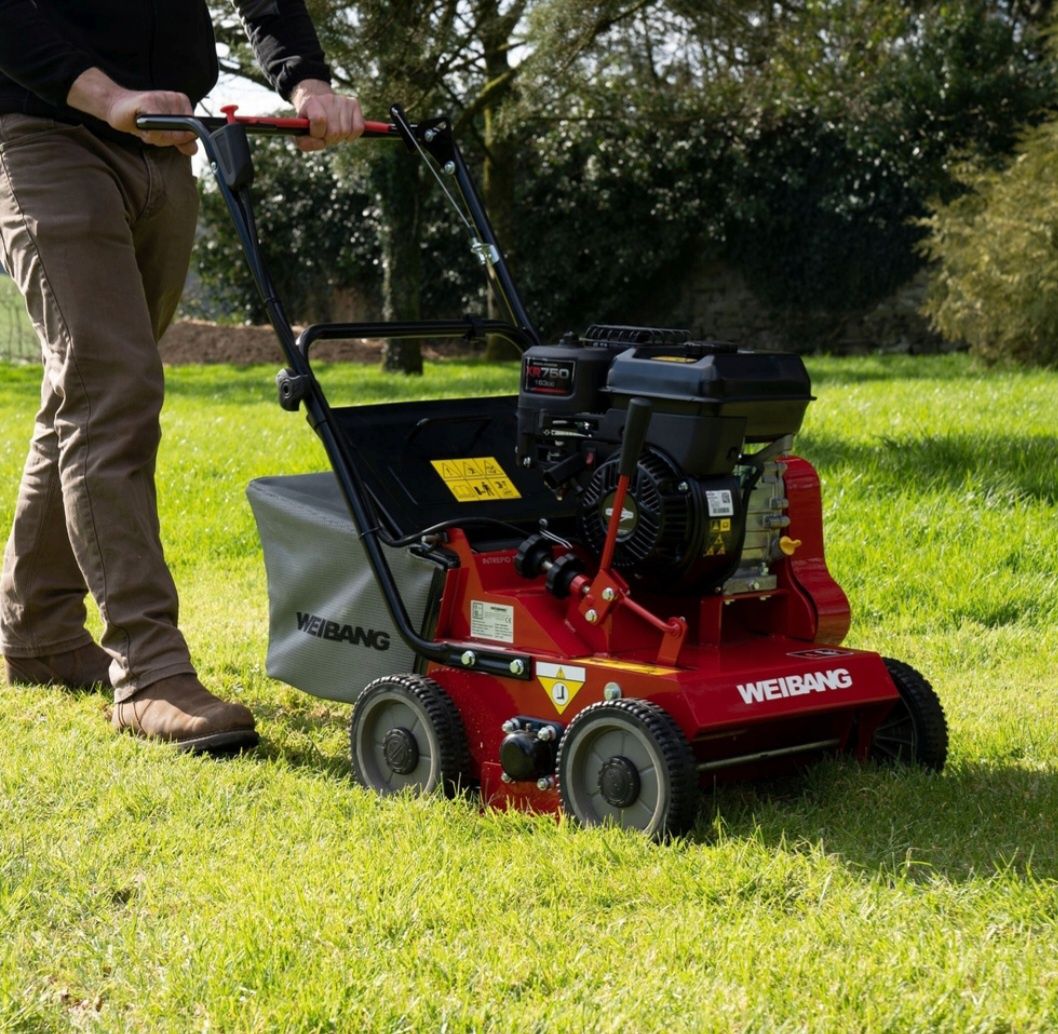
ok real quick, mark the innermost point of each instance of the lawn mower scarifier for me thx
(595, 596)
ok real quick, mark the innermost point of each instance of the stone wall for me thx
(718, 302)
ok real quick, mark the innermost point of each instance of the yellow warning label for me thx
(561, 682)
(477, 480)
(717, 548)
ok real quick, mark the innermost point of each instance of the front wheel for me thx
(626, 762)
(915, 732)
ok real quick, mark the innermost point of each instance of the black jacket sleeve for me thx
(284, 41)
(36, 55)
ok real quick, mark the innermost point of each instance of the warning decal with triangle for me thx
(561, 682)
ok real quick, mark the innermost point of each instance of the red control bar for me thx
(295, 126)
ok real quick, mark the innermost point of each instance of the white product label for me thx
(491, 621)
(720, 503)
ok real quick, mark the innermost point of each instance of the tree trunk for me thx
(398, 185)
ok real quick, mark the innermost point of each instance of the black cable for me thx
(455, 522)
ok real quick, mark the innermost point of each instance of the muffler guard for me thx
(329, 632)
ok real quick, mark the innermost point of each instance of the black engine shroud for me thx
(683, 520)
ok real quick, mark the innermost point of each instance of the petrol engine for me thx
(706, 507)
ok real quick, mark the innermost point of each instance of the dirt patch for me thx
(194, 341)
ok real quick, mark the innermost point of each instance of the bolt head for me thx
(608, 594)
(611, 691)
(449, 168)
(517, 666)
(469, 658)
(509, 725)
(544, 783)
(591, 617)
(505, 778)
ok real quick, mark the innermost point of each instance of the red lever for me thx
(294, 124)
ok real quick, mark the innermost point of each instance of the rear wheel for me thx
(626, 762)
(915, 732)
(406, 734)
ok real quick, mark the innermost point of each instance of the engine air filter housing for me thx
(769, 391)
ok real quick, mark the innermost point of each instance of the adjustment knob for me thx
(532, 554)
(561, 574)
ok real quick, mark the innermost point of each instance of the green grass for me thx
(141, 889)
(17, 339)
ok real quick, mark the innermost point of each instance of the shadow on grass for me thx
(294, 736)
(992, 464)
(970, 822)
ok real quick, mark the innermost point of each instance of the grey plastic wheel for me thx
(406, 735)
(915, 732)
(626, 762)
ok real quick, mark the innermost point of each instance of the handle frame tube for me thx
(240, 208)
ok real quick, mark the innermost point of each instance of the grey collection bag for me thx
(329, 632)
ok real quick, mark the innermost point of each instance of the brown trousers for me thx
(97, 236)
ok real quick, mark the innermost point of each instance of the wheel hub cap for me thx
(619, 782)
(400, 751)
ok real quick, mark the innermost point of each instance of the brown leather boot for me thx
(181, 710)
(80, 668)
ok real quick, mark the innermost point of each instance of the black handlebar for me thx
(228, 153)
(204, 125)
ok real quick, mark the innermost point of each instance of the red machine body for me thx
(759, 682)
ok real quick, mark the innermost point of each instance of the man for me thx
(96, 224)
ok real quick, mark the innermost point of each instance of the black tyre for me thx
(627, 762)
(405, 734)
(916, 731)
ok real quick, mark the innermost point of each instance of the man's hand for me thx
(95, 93)
(332, 117)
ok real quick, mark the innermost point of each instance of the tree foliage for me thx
(319, 237)
(619, 141)
(995, 285)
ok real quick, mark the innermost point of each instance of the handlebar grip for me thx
(166, 123)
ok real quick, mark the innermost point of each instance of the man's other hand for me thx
(332, 116)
